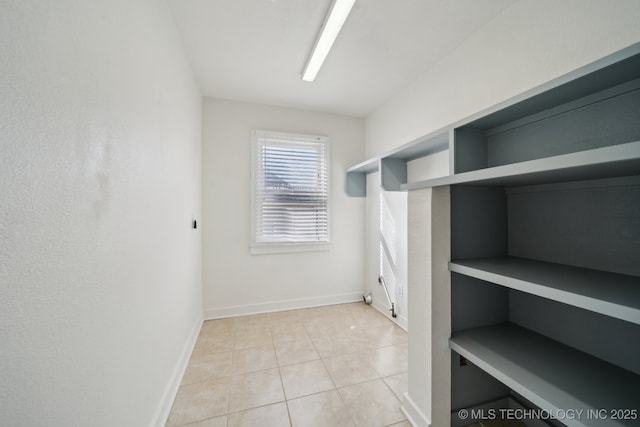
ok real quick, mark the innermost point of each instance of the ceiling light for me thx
(330, 28)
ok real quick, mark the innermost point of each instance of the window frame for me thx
(256, 247)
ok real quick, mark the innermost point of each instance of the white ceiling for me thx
(254, 50)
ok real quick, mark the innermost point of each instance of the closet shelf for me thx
(611, 294)
(551, 375)
(604, 162)
(393, 165)
(366, 167)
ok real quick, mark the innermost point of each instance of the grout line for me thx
(347, 408)
(286, 403)
(253, 407)
(304, 320)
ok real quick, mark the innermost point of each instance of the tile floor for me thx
(333, 366)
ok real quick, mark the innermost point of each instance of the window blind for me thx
(291, 188)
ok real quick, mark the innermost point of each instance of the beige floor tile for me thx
(324, 327)
(305, 378)
(207, 367)
(233, 377)
(208, 344)
(200, 401)
(350, 369)
(394, 333)
(390, 332)
(288, 332)
(372, 404)
(357, 307)
(286, 317)
(400, 338)
(352, 308)
(402, 424)
(388, 361)
(337, 324)
(368, 339)
(335, 346)
(291, 352)
(250, 322)
(399, 384)
(219, 327)
(255, 389)
(252, 337)
(211, 422)
(254, 359)
(319, 410)
(319, 311)
(275, 415)
(373, 319)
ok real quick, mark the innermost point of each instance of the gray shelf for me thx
(356, 183)
(551, 375)
(605, 162)
(393, 165)
(611, 294)
(432, 143)
(615, 69)
(366, 167)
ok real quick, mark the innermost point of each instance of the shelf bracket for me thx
(393, 173)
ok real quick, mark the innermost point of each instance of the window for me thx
(290, 178)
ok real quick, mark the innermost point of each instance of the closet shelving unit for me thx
(545, 248)
(393, 165)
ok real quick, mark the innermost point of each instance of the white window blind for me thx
(290, 190)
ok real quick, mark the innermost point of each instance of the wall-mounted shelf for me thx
(357, 177)
(393, 165)
(611, 294)
(365, 167)
(551, 375)
(605, 162)
(602, 97)
(542, 202)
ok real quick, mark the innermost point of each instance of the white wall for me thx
(386, 220)
(527, 45)
(236, 282)
(386, 249)
(100, 273)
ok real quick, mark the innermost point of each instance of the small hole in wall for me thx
(194, 224)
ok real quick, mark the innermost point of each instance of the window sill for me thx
(283, 248)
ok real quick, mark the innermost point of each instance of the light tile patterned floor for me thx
(339, 365)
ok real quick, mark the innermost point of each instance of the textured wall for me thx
(100, 175)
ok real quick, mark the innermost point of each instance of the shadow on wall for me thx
(388, 252)
(392, 248)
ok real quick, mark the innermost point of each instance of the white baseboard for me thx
(414, 415)
(269, 307)
(169, 395)
(401, 320)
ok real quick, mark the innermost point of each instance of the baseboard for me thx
(414, 415)
(269, 307)
(401, 320)
(169, 395)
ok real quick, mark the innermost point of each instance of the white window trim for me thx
(257, 248)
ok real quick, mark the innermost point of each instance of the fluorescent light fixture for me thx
(330, 28)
